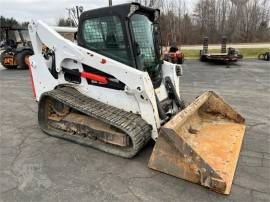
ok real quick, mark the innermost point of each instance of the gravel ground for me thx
(36, 167)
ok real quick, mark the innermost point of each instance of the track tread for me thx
(132, 124)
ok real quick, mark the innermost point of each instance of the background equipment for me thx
(17, 48)
(264, 56)
(174, 55)
(111, 91)
(225, 56)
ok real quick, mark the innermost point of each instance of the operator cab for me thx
(15, 37)
(127, 33)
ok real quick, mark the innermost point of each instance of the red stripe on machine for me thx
(95, 77)
(32, 81)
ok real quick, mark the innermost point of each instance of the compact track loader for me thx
(16, 48)
(111, 91)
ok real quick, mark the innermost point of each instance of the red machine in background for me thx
(174, 55)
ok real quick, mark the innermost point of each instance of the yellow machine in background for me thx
(16, 48)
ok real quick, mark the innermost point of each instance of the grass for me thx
(246, 52)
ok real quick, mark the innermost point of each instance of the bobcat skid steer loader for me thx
(111, 91)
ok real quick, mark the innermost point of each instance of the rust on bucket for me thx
(201, 144)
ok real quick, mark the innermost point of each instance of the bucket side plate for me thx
(201, 144)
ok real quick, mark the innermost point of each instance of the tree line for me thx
(239, 20)
(12, 23)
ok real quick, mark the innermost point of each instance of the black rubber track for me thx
(131, 124)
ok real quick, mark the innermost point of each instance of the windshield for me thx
(14, 35)
(105, 36)
(143, 33)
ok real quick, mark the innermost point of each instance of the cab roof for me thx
(121, 10)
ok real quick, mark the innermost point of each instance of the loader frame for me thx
(138, 95)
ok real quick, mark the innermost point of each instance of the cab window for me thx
(105, 36)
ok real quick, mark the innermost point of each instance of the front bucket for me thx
(201, 144)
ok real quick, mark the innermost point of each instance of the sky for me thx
(50, 10)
